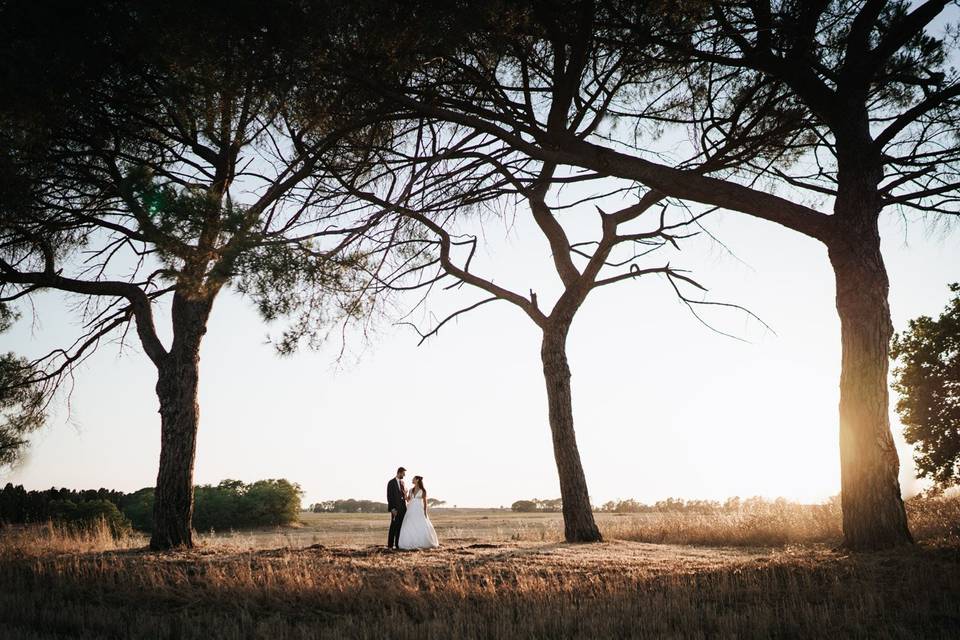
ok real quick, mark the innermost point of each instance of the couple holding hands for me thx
(410, 526)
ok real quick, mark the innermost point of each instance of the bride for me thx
(417, 531)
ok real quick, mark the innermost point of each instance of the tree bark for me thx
(177, 383)
(873, 511)
(578, 522)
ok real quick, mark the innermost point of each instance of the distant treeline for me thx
(17, 506)
(348, 506)
(678, 505)
(351, 505)
(231, 504)
(531, 506)
(670, 505)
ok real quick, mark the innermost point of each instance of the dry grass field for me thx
(498, 575)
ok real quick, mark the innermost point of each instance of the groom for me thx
(397, 503)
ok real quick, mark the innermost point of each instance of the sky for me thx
(662, 405)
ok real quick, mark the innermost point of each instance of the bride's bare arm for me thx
(424, 504)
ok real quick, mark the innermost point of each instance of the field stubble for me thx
(498, 575)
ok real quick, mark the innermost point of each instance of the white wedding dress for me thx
(417, 531)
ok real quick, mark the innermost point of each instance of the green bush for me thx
(218, 507)
(231, 504)
(90, 512)
(270, 502)
(138, 507)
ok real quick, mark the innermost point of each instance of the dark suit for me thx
(395, 500)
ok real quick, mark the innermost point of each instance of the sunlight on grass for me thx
(768, 570)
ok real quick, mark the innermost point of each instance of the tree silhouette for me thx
(449, 167)
(23, 402)
(850, 103)
(868, 110)
(161, 153)
(928, 381)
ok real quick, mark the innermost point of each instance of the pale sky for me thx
(663, 407)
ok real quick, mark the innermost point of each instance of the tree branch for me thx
(139, 303)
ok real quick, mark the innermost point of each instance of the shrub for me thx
(231, 504)
(138, 507)
(271, 502)
(90, 513)
(218, 507)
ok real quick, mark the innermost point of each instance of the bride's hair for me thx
(418, 480)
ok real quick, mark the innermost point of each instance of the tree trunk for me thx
(873, 512)
(578, 522)
(179, 418)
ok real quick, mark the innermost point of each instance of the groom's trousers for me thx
(395, 521)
